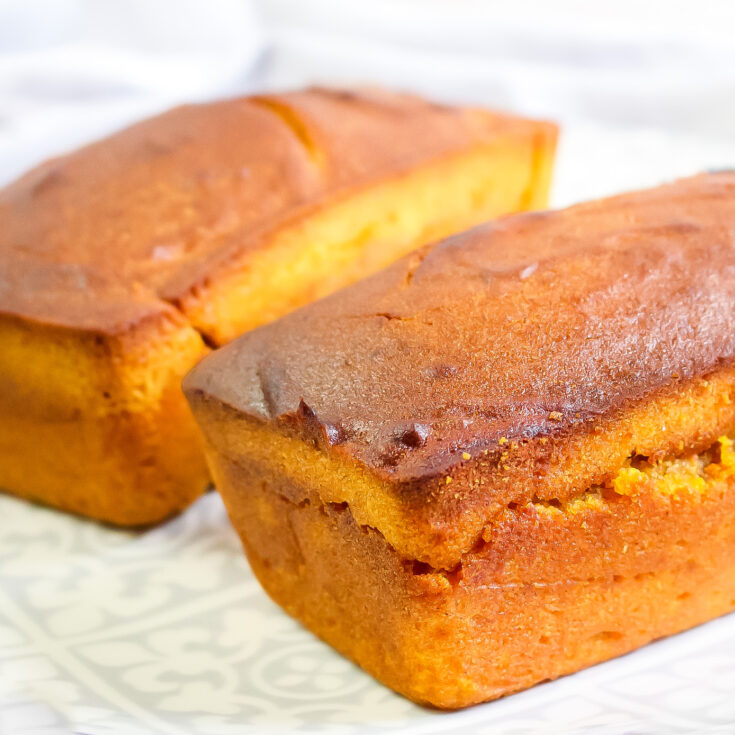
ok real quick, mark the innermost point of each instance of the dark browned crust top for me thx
(124, 228)
(533, 325)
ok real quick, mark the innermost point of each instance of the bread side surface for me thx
(527, 358)
(360, 230)
(550, 589)
(96, 423)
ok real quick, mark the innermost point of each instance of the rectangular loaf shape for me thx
(504, 458)
(121, 264)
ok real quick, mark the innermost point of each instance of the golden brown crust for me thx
(543, 348)
(111, 233)
(110, 222)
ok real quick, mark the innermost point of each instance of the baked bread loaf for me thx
(123, 263)
(506, 456)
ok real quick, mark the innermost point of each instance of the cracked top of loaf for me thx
(124, 228)
(525, 358)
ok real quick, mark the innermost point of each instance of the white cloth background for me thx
(625, 78)
(110, 632)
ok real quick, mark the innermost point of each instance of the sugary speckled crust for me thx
(152, 214)
(527, 357)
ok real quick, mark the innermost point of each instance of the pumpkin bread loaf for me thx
(503, 458)
(126, 261)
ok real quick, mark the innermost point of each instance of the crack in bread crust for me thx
(437, 522)
(687, 478)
